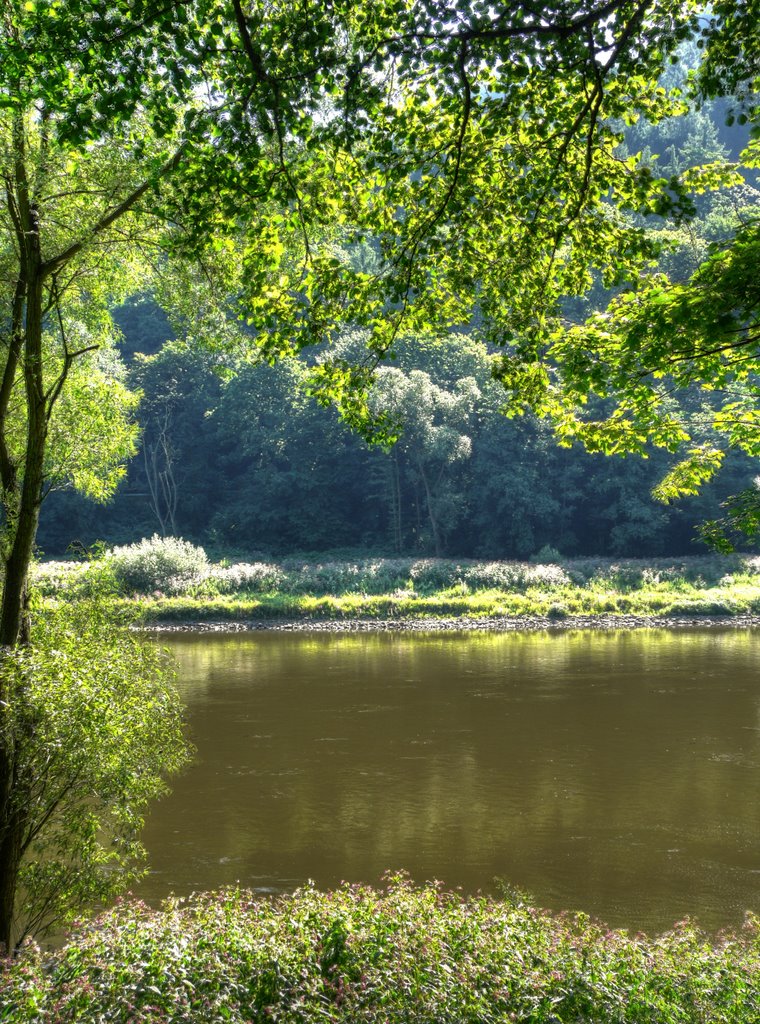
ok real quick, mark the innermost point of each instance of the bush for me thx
(244, 577)
(166, 564)
(496, 576)
(53, 579)
(515, 576)
(547, 555)
(96, 723)
(436, 574)
(402, 955)
(363, 576)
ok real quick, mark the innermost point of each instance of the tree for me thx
(433, 398)
(89, 97)
(180, 393)
(129, 129)
(293, 475)
(665, 335)
(434, 436)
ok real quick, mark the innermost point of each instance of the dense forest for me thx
(251, 465)
(235, 455)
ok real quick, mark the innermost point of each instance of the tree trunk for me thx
(396, 517)
(22, 504)
(438, 547)
(14, 630)
(10, 846)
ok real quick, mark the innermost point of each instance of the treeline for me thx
(237, 457)
(240, 459)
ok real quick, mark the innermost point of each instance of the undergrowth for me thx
(400, 955)
(170, 580)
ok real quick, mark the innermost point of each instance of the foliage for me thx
(403, 588)
(69, 580)
(435, 420)
(547, 554)
(180, 388)
(740, 519)
(92, 430)
(453, 223)
(400, 955)
(242, 577)
(684, 329)
(166, 564)
(96, 725)
(258, 468)
(285, 463)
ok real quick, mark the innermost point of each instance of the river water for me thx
(616, 773)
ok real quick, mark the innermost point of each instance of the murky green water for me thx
(617, 773)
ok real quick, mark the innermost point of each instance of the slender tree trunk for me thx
(14, 622)
(22, 503)
(11, 833)
(394, 478)
(438, 547)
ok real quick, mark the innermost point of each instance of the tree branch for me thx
(55, 264)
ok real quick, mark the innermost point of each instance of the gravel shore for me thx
(464, 624)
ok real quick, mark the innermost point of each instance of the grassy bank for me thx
(402, 955)
(167, 581)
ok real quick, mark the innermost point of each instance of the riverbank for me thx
(165, 582)
(465, 624)
(359, 955)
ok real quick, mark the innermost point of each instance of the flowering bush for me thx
(402, 955)
(245, 577)
(53, 578)
(165, 564)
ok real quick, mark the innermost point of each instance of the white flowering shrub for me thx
(245, 577)
(546, 577)
(168, 565)
(496, 576)
(53, 578)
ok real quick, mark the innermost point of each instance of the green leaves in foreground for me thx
(401, 955)
(95, 724)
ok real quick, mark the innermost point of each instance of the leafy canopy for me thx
(662, 336)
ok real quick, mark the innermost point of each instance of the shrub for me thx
(547, 555)
(496, 576)
(167, 564)
(244, 577)
(51, 579)
(401, 955)
(326, 578)
(546, 577)
(436, 574)
(370, 576)
(95, 722)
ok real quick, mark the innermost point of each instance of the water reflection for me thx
(616, 773)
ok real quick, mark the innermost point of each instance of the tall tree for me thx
(667, 334)
(129, 128)
(101, 106)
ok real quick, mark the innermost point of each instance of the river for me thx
(616, 773)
